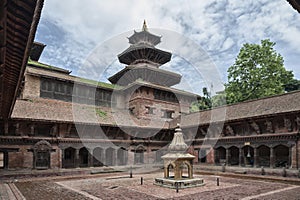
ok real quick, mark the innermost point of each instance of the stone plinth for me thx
(184, 183)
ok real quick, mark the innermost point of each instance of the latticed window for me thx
(167, 114)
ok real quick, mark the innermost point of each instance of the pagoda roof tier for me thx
(146, 73)
(144, 36)
(143, 52)
(140, 83)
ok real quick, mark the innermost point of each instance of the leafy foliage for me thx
(292, 85)
(202, 104)
(258, 71)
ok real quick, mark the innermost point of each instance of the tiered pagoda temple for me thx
(41, 132)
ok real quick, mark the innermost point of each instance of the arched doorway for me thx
(170, 171)
(220, 155)
(41, 155)
(185, 170)
(234, 155)
(121, 156)
(263, 156)
(139, 155)
(281, 156)
(202, 155)
(97, 157)
(109, 156)
(83, 157)
(69, 158)
(248, 155)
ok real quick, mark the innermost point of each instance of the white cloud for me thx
(72, 29)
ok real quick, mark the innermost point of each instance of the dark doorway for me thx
(139, 155)
(69, 158)
(281, 154)
(234, 155)
(248, 156)
(202, 155)
(83, 157)
(220, 155)
(263, 153)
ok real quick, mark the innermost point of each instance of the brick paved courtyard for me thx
(120, 186)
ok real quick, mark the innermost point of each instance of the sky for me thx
(206, 36)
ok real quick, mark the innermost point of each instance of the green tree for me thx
(258, 71)
(293, 85)
(202, 104)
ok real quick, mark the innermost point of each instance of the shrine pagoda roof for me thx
(144, 36)
(147, 73)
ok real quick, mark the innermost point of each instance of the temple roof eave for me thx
(144, 72)
(129, 55)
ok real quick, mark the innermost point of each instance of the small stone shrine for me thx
(178, 161)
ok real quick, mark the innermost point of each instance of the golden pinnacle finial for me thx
(145, 26)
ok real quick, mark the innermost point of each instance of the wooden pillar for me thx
(17, 126)
(62, 152)
(115, 157)
(271, 157)
(227, 157)
(6, 128)
(255, 157)
(103, 157)
(90, 158)
(32, 127)
(290, 157)
(241, 155)
(77, 158)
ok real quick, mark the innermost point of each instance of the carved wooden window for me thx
(41, 155)
(150, 110)
(167, 114)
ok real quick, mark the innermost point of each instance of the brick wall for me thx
(32, 87)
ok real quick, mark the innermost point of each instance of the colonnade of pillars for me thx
(278, 156)
(97, 157)
(74, 158)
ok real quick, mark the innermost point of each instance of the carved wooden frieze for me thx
(297, 121)
(269, 126)
(228, 131)
(288, 124)
(255, 127)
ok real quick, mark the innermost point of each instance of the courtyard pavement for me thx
(121, 186)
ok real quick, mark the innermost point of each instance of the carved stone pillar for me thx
(241, 156)
(272, 157)
(228, 157)
(255, 157)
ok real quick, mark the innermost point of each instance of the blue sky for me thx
(72, 30)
